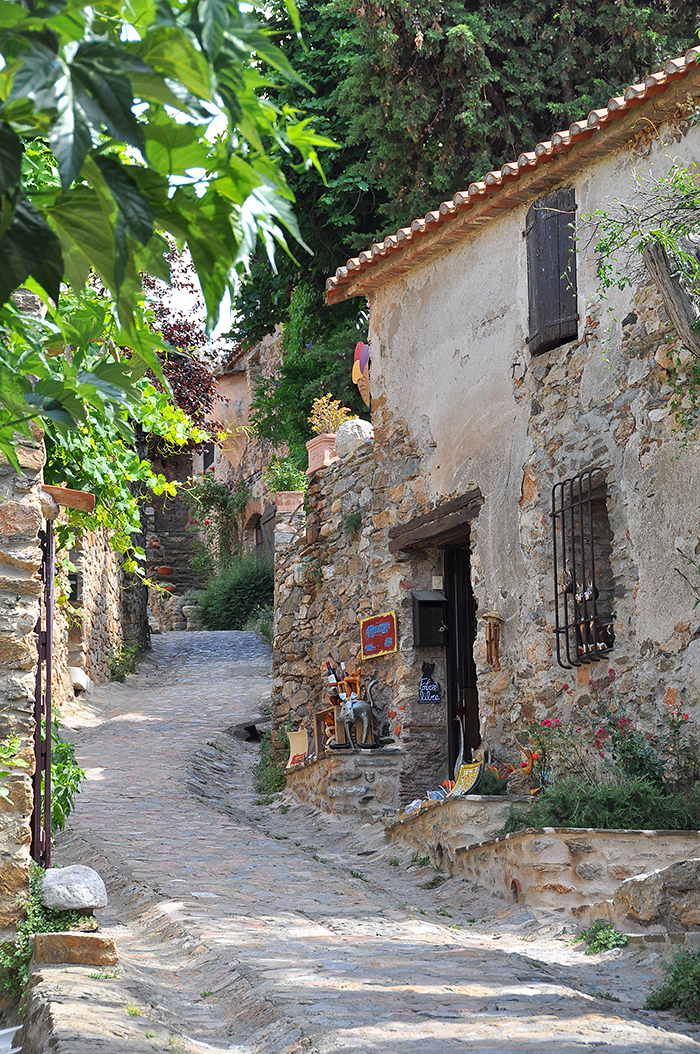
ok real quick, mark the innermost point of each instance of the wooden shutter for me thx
(551, 270)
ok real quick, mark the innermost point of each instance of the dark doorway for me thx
(461, 671)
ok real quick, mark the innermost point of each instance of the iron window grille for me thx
(582, 542)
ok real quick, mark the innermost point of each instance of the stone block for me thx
(75, 887)
(14, 879)
(20, 654)
(19, 521)
(351, 435)
(79, 949)
(669, 895)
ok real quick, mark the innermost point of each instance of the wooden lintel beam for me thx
(438, 527)
(82, 500)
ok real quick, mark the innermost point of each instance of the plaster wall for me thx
(451, 366)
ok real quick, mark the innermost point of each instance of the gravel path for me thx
(253, 928)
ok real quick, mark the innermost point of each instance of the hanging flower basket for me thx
(321, 452)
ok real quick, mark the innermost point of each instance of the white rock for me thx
(351, 435)
(73, 888)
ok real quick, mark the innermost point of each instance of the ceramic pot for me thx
(321, 452)
(289, 500)
(164, 570)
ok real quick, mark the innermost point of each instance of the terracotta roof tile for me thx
(561, 142)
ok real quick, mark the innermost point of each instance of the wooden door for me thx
(462, 694)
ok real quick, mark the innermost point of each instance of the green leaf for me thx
(215, 20)
(36, 77)
(85, 234)
(11, 14)
(173, 149)
(97, 95)
(104, 387)
(170, 50)
(70, 138)
(29, 247)
(136, 210)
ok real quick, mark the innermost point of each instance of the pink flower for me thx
(557, 721)
(611, 672)
(578, 729)
(546, 723)
(565, 688)
(523, 764)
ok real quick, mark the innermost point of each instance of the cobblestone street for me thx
(250, 927)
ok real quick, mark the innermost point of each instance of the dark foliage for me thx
(437, 96)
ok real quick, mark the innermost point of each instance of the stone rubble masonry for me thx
(628, 429)
(23, 509)
(364, 783)
(90, 629)
(327, 578)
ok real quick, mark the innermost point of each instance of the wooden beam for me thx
(82, 500)
(441, 526)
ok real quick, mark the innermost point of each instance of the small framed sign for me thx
(378, 635)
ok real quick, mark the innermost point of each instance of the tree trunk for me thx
(681, 308)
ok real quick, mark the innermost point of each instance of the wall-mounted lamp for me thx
(493, 621)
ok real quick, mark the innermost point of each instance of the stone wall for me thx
(169, 542)
(23, 509)
(360, 784)
(575, 870)
(439, 829)
(94, 626)
(326, 579)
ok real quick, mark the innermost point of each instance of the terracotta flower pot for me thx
(289, 500)
(164, 570)
(321, 452)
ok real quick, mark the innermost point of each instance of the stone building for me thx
(524, 483)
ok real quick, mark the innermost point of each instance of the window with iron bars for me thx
(583, 581)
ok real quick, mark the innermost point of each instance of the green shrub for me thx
(681, 989)
(66, 778)
(268, 775)
(491, 782)
(601, 937)
(243, 587)
(124, 659)
(635, 804)
(261, 621)
(283, 474)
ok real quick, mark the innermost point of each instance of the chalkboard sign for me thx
(378, 635)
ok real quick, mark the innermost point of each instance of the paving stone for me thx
(289, 951)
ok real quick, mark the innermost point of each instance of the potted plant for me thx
(286, 483)
(327, 415)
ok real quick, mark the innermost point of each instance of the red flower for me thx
(206, 522)
(565, 688)
(535, 757)
(686, 717)
(611, 672)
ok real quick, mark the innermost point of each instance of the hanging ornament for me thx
(360, 370)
